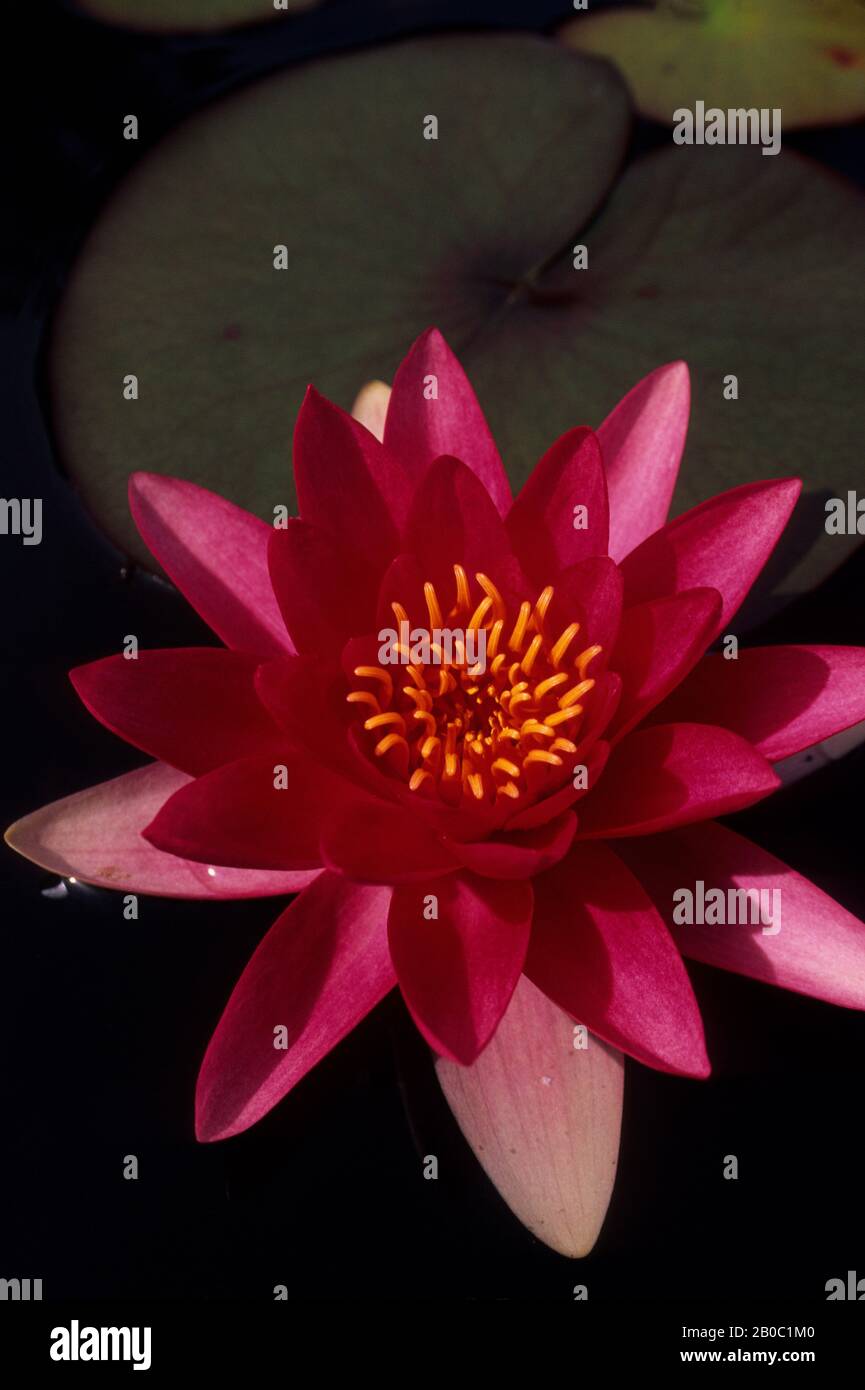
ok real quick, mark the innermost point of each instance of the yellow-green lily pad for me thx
(806, 57)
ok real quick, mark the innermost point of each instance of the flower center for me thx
(484, 708)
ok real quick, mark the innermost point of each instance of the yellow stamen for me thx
(545, 598)
(375, 673)
(531, 655)
(563, 643)
(505, 765)
(476, 783)
(585, 658)
(391, 741)
(563, 715)
(543, 687)
(364, 697)
(531, 726)
(466, 734)
(540, 755)
(494, 638)
(492, 593)
(479, 616)
(575, 693)
(378, 721)
(515, 641)
(432, 605)
(464, 601)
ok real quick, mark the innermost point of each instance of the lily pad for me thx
(183, 16)
(805, 56)
(737, 263)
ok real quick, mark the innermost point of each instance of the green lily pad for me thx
(738, 263)
(805, 56)
(182, 16)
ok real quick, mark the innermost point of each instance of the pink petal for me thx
(193, 707)
(543, 1120)
(347, 483)
(216, 554)
(325, 593)
(380, 842)
(671, 774)
(642, 443)
(370, 407)
(521, 855)
(820, 947)
(95, 835)
(452, 521)
(238, 815)
(602, 953)
(781, 699)
(457, 971)
(419, 430)
(319, 970)
(541, 523)
(659, 643)
(722, 544)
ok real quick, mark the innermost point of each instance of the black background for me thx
(104, 1021)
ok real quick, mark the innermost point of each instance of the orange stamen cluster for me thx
(453, 730)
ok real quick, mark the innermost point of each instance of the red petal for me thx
(452, 521)
(671, 774)
(642, 442)
(325, 593)
(319, 970)
(521, 855)
(347, 482)
(379, 842)
(590, 592)
(193, 707)
(216, 554)
(722, 544)
(556, 802)
(820, 947)
(419, 430)
(541, 523)
(659, 643)
(601, 952)
(543, 1120)
(236, 815)
(95, 835)
(781, 699)
(459, 970)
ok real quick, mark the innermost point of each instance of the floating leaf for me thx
(180, 16)
(386, 233)
(737, 263)
(805, 56)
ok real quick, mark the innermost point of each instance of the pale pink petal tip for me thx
(543, 1118)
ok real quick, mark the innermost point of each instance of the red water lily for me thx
(500, 839)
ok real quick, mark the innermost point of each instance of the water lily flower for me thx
(500, 840)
